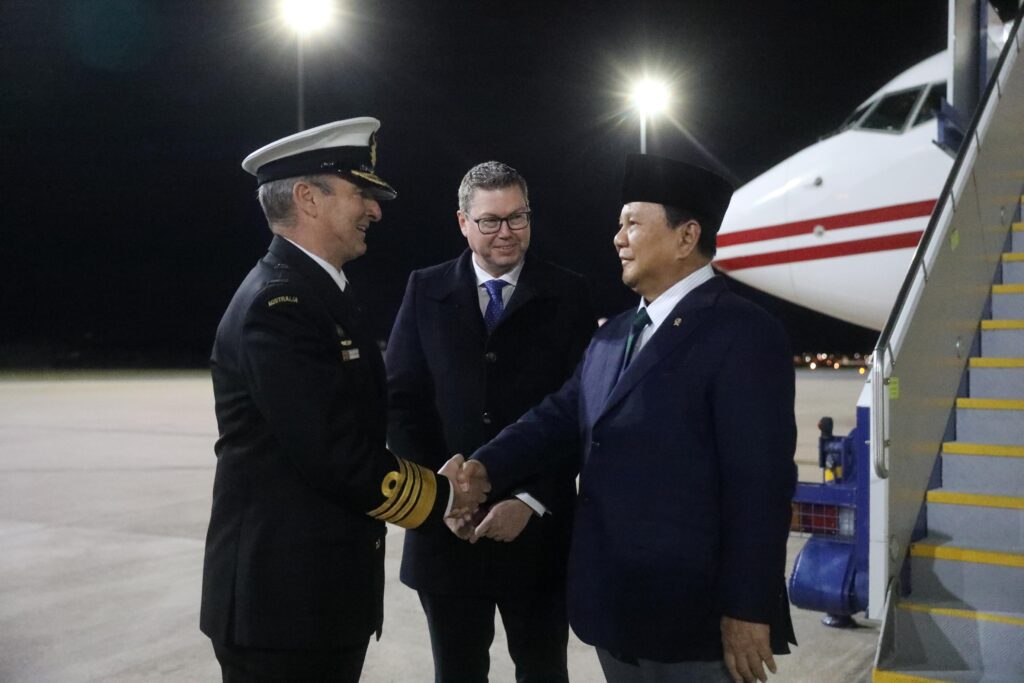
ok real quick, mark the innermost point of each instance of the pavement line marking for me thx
(880, 676)
(962, 613)
(959, 448)
(1013, 256)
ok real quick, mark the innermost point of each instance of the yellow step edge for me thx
(1019, 227)
(946, 552)
(1002, 324)
(961, 613)
(1008, 289)
(1013, 256)
(990, 403)
(880, 676)
(958, 448)
(997, 362)
(977, 499)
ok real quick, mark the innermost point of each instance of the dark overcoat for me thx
(293, 559)
(453, 387)
(686, 479)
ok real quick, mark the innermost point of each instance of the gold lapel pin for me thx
(677, 322)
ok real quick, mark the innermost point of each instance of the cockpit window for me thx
(892, 111)
(853, 118)
(932, 101)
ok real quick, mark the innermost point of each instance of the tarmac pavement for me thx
(105, 483)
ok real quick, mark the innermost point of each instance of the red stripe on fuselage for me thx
(854, 219)
(887, 243)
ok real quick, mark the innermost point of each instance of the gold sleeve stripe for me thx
(394, 488)
(409, 495)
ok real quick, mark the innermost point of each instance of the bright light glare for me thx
(650, 96)
(306, 16)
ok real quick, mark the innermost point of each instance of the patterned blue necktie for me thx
(496, 306)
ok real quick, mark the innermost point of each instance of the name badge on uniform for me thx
(348, 349)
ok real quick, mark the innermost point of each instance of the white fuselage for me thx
(833, 227)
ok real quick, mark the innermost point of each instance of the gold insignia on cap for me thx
(373, 150)
(677, 322)
(409, 495)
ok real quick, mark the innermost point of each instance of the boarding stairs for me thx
(960, 616)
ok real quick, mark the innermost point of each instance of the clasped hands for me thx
(504, 521)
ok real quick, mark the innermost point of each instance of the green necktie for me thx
(640, 321)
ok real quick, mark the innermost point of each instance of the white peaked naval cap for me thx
(347, 148)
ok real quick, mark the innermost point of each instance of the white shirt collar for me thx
(336, 274)
(482, 276)
(659, 309)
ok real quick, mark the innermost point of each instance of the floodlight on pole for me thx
(305, 17)
(649, 97)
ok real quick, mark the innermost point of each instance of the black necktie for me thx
(640, 321)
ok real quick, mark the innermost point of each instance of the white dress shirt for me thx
(336, 273)
(482, 276)
(659, 309)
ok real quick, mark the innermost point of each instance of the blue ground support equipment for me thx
(831, 572)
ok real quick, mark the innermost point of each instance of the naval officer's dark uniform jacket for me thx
(304, 482)
(686, 479)
(453, 387)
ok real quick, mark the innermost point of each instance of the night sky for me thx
(128, 221)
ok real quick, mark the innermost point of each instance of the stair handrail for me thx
(886, 350)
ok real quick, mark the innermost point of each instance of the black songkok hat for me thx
(685, 186)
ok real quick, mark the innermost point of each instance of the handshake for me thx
(467, 520)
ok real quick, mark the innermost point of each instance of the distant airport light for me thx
(650, 97)
(307, 16)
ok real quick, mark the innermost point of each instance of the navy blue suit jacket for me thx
(452, 387)
(686, 478)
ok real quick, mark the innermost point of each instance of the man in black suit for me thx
(477, 342)
(293, 577)
(684, 410)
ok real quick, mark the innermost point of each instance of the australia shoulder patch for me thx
(283, 299)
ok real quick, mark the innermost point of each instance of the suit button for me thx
(487, 418)
(491, 357)
(595, 444)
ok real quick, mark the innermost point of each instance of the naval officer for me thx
(293, 577)
(684, 408)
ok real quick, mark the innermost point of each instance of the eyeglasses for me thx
(490, 225)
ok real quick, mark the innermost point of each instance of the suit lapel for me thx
(342, 305)
(605, 354)
(338, 304)
(458, 298)
(528, 287)
(682, 322)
